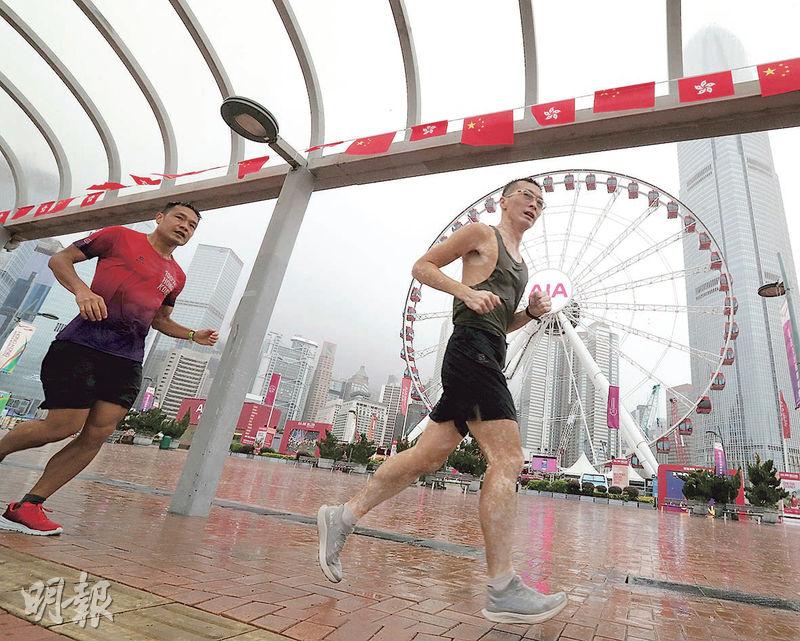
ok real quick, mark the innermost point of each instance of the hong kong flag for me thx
(430, 130)
(641, 96)
(711, 85)
(489, 129)
(144, 180)
(554, 113)
(779, 77)
(371, 145)
(327, 144)
(106, 186)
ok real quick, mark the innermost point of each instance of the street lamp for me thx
(773, 290)
(254, 122)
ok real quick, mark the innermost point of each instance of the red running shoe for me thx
(29, 518)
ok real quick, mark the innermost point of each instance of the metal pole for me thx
(787, 288)
(201, 473)
(631, 432)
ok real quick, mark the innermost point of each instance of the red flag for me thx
(91, 199)
(327, 144)
(430, 130)
(188, 173)
(371, 145)
(405, 388)
(711, 85)
(44, 208)
(489, 129)
(61, 205)
(22, 211)
(251, 166)
(106, 186)
(4, 216)
(779, 77)
(554, 113)
(144, 180)
(786, 423)
(641, 96)
(613, 407)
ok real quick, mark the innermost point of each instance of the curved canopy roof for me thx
(95, 91)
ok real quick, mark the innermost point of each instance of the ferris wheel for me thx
(619, 258)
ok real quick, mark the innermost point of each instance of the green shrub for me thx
(702, 485)
(330, 447)
(587, 489)
(361, 451)
(468, 459)
(539, 484)
(600, 490)
(238, 448)
(645, 499)
(631, 492)
(615, 489)
(765, 490)
(560, 486)
(175, 429)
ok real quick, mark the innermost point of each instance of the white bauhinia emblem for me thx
(552, 113)
(705, 87)
(427, 130)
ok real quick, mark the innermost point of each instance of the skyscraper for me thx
(210, 282)
(320, 383)
(181, 378)
(357, 385)
(390, 397)
(731, 185)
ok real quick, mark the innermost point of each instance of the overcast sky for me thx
(350, 270)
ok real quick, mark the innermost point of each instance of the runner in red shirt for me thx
(93, 370)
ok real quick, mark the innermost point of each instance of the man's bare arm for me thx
(428, 270)
(91, 306)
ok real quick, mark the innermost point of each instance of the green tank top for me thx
(508, 281)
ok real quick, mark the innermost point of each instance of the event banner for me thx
(619, 472)
(720, 461)
(148, 398)
(405, 389)
(613, 407)
(790, 481)
(790, 353)
(272, 390)
(15, 344)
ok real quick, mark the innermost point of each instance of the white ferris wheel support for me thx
(631, 432)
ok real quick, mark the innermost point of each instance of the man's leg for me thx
(58, 425)
(509, 599)
(334, 523)
(396, 473)
(78, 453)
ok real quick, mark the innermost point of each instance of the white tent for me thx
(579, 467)
(633, 475)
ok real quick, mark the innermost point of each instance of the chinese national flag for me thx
(641, 96)
(489, 129)
(144, 180)
(44, 208)
(61, 205)
(554, 113)
(22, 211)
(106, 186)
(251, 166)
(91, 199)
(188, 173)
(4, 216)
(430, 130)
(711, 85)
(779, 77)
(371, 145)
(327, 144)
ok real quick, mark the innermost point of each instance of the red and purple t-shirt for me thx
(134, 281)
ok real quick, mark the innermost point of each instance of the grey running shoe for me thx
(332, 535)
(518, 603)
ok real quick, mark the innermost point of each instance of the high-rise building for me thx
(731, 186)
(210, 282)
(357, 386)
(181, 378)
(295, 365)
(362, 416)
(336, 389)
(320, 383)
(390, 397)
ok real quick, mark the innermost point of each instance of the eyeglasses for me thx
(529, 196)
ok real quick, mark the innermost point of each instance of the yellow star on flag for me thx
(769, 71)
(471, 125)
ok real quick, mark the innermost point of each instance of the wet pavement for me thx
(260, 568)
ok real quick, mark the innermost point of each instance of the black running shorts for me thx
(75, 376)
(473, 383)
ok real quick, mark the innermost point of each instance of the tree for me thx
(361, 451)
(174, 428)
(702, 485)
(765, 490)
(149, 423)
(468, 458)
(330, 447)
(403, 444)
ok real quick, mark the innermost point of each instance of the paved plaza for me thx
(414, 571)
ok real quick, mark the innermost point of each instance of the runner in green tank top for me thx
(475, 399)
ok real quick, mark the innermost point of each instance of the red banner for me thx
(786, 422)
(371, 145)
(561, 112)
(779, 77)
(251, 166)
(613, 407)
(711, 85)
(641, 96)
(272, 390)
(429, 130)
(405, 390)
(489, 129)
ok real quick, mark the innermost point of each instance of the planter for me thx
(142, 440)
(569, 497)
(548, 494)
(601, 499)
(325, 463)
(174, 445)
(615, 501)
(587, 499)
(770, 516)
(474, 486)
(630, 504)
(359, 469)
(699, 509)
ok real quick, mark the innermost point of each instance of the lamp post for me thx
(203, 468)
(773, 290)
